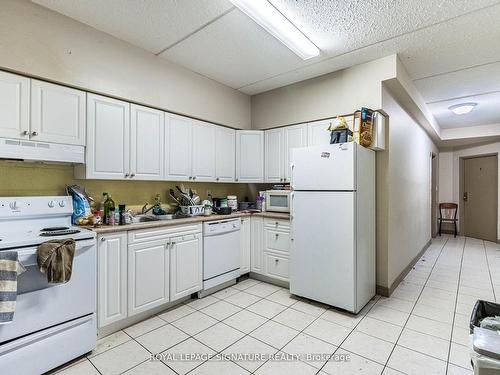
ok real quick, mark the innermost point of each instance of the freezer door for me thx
(322, 259)
(329, 167)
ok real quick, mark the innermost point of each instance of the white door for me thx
(178, 142)
(295, 136)
(14, 106)
(111, 278)
(322, 255)
(317, 133)
(147, 137)
(250, 156)
(245, 244)
(185, 266)
(148, 276)
(203, 149)
(225, 154)
(57, 113)
(274, 155)
(257, 244)
(108, 137)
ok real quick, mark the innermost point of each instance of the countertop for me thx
(187, 220)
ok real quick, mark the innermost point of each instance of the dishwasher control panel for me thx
(221, 226)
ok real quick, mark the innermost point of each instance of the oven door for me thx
(41, 305)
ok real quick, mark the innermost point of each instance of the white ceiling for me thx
(451, 48)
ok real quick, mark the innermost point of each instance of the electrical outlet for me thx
(209, 192)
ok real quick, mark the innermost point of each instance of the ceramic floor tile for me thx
(245, 321)
(283, 297)
(179, 357)
(343, 318)
(378, 328)
(120, 358)
(245, 284)
(262, 289)
(429, 327)
(457, 370)
(310, 307)
(219, 336)
(200, 303)
(286, 368)
(274, 334)
(219, 368)
(109, 342)
(150, 368)
(81, 368)
(224, 293)
(144, 327)
(294, 319)
(345, 363)
(390, 371)
(194, 323)
(176, 312)
(388, 315)
(162, 338)
(221, 310)
(242, 299)
(426, 344)
(396, 304)
(266, 308)
(462, 321)
(327, 331)
(414, 363)
(460, 356)
(310, 349)
(461, 336)
(434, 313)
(255, 353)
(367, 346)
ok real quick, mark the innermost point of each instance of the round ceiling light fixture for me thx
(463, 108)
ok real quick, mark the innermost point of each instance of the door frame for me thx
(434, 193)
(461, 169)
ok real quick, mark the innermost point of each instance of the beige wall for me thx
(38, 42)
(403, 193)
(332, 94)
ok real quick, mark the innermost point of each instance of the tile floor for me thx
(421, 329)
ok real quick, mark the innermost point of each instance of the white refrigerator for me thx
(332, 256)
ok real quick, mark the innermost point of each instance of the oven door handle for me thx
(28, 257)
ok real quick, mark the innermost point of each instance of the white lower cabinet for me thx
(257, 231)
(186, 265)
(245, 245)
(276, 266)
(148, 276)
(111, 278)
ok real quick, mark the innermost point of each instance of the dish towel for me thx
(55, 258)
(10, 268)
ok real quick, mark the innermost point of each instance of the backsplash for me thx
(19, 178)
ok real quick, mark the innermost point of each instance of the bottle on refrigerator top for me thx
(108, 205)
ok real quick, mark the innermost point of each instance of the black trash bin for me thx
(481, 310)
(485, 345)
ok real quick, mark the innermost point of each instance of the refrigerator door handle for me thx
(292, 166)
(292, 194)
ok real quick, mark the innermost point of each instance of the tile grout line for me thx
(489, 271)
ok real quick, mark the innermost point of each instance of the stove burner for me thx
(52, 229)
(59, 232)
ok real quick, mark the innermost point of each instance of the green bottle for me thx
(109, 205)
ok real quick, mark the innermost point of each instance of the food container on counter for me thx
(232, 202)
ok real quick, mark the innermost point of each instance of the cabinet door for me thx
(203, 150)
(147, 139)
(295, 136)
(148, 276)
(257, 244)
(276, 266)
(108, 137)
(225, 155)
(111, 278)
(185, 266)
(245, 245)
(250, 156)
(14, 106)
(317, 133)
(274, 155)
(178, 142)
(57, 113)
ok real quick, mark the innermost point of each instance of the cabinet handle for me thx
(25, 132)
(277, 223)
(126, 175)
(194, 177)
(236, 179)
(217, 179)
(277, 235)
(103, 239)
(276, 261)
(190, 177)
(132, 175)
(34, 134)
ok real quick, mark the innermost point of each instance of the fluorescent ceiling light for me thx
(463, 108)
(267, 16)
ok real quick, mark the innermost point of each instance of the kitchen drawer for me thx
(276, 266)
(276, 240)
(142, 235)
(277, 224)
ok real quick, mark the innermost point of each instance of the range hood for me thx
(41, 151)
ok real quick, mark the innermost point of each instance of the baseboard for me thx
(387, 291)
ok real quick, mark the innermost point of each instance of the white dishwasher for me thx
(221, 252)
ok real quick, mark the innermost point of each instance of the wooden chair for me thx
(448, 214)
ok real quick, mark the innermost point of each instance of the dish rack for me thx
(192, 210)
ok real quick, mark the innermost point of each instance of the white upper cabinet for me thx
(14, 106)
(250, 156)
(317, 133)
(274, 155)
(203, 151)
(294, 136)
(57, 113)
(108, 135)
(147, 137)
(178, 131)
(225, 155)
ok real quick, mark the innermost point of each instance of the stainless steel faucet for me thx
(145, 208)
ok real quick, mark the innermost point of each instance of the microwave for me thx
(278, 200)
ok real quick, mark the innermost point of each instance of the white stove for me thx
(47, 316)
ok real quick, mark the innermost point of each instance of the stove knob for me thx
(62, 204)
(52, 204)
(13, 205)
